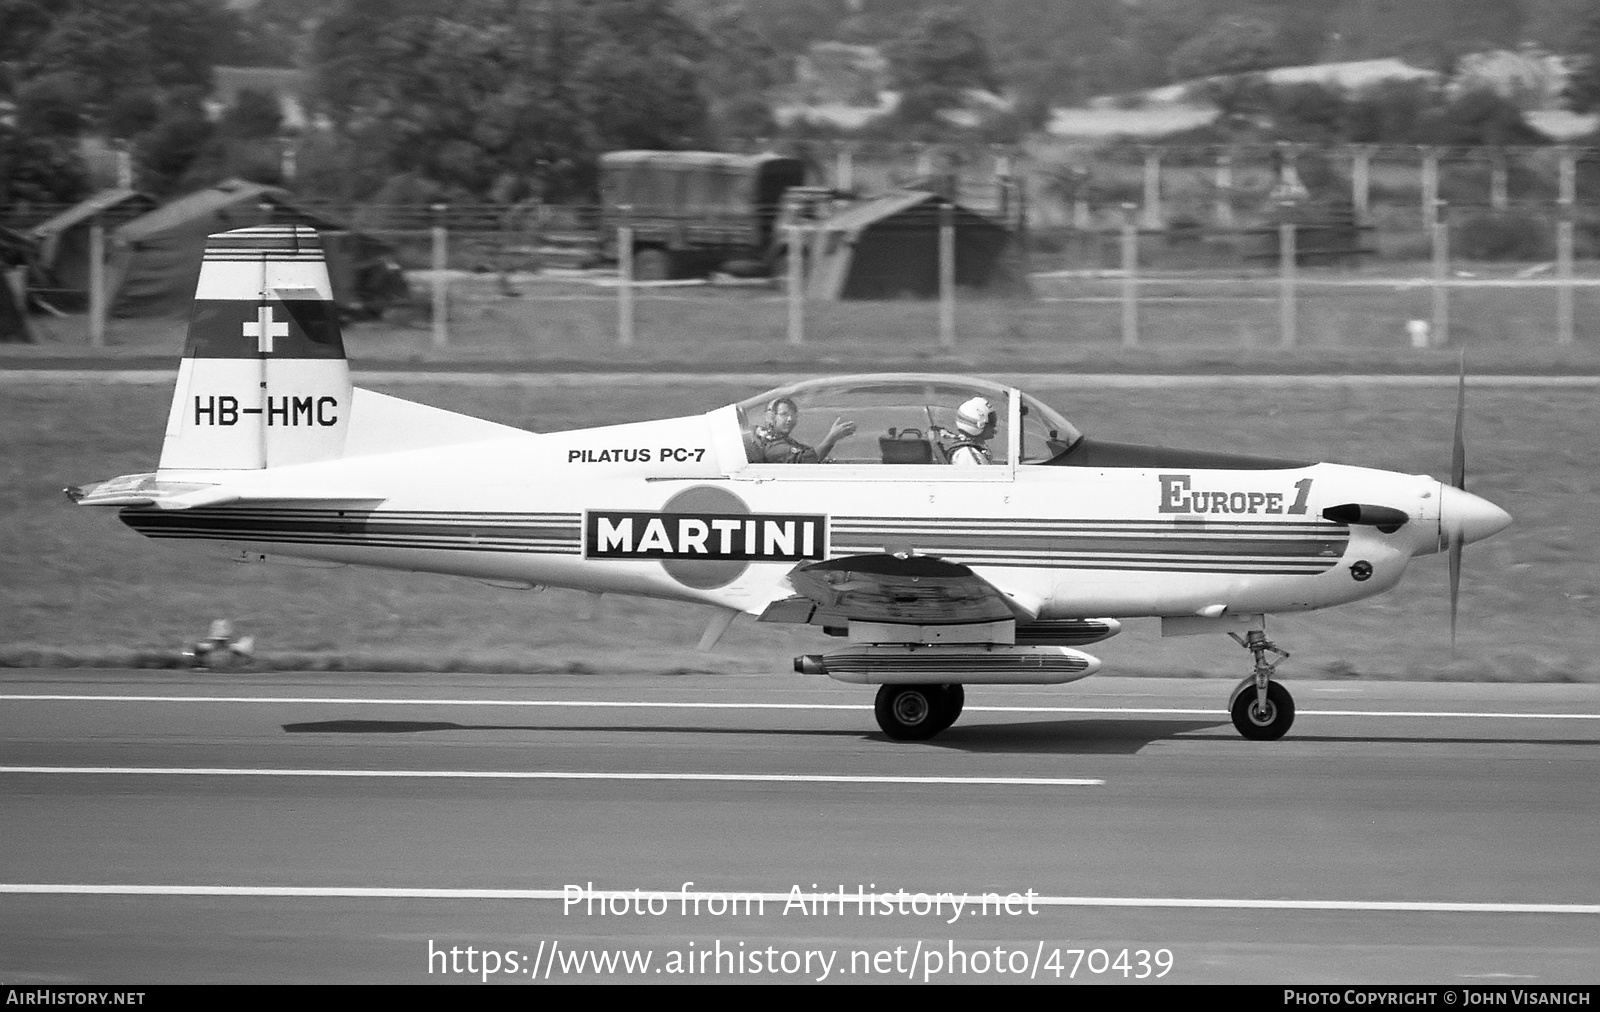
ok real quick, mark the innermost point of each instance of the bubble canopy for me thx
(903, 419)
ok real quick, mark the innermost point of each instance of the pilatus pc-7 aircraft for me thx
(950, 531)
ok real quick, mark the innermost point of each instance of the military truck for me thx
(695, 212)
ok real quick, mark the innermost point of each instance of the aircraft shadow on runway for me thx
(1062, 737)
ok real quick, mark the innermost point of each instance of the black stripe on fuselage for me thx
(1153, 549)
(492, 532)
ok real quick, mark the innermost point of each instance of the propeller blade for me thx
(1458, 457)
(1458, 478)
(1455, 587)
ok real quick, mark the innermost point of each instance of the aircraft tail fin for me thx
(264, 381)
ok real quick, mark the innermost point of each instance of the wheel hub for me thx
(911, 708)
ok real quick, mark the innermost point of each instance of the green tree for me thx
(167, 153)
(26, 22)
(1583, 86)
(467, 92)
(43, 170)
(940, 50)
(110, 46)
(51, 105)
(252, 114)
(934, 62)
(1481, 118)
(739, 71)
(1230, 46)
(274, 33)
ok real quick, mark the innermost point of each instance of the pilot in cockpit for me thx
(975, 426)
(773, 443)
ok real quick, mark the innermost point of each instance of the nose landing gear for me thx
(1262, 709)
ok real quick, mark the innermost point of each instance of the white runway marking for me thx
(390, 701)
(1169, 902)
(757, 778)
(679, 705)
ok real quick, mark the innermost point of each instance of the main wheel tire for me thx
(1267, 724)
(910, 712)
(953, 698)
(654, 265)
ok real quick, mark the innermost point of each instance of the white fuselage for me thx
(671, 509)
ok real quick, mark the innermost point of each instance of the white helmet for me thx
(974, 416)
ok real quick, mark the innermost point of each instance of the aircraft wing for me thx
(913, 590)
(148, 490)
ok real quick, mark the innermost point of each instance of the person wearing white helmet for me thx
(975, 426)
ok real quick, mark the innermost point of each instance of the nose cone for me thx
(1468, 517)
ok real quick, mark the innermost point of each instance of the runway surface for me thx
(255, 827)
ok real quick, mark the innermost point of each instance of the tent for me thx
(64, 243)
(889, 247)
(155, 259)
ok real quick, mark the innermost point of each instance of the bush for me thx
(1503, 236)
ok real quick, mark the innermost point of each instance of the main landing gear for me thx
(918, 712)
(1262, 709)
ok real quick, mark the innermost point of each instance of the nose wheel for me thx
(1267, 721)
(1262, 709)
(917, 712)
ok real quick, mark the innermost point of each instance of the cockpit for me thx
(899, 420)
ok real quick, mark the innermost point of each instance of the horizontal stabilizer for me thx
(148, 490)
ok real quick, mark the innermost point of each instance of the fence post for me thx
(1568, 174)
(441, 286)
(796, 284)
(1567, 198)
(1002, 162)
(1288, 315)
(1130, 278)
(1225, 189)
(1004, 184)
(625, 282)
(14, 281)
(1564, 324)
(1152, 188)
(288, 158)
(843, 168)
(1441, 272)
(97, 282)
(1080, 199)
(1430, 187)
(947, 276)
(124, 163)
(1361, 182)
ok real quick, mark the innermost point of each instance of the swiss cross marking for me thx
(264, 328)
